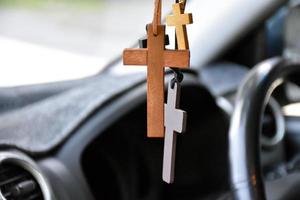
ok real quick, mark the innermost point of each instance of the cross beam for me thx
(156, 57)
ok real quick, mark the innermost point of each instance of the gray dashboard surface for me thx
(37, 119)
(43, 122)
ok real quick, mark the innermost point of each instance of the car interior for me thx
(85, 139)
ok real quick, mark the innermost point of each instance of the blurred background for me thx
(53, 40)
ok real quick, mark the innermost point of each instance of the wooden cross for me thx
(180, 20)
(156, 57)
(175, 121)
(143, 41)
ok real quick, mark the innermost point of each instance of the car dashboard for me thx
(86, 139)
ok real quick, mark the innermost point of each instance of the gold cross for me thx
(180, 20)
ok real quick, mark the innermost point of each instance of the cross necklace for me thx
(156, 57)
(175, 119)
(164, 120)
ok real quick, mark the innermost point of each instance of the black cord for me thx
(178, 77)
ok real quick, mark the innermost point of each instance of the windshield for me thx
(51, 40)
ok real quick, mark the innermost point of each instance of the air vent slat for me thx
(7, 194)
(34, 197)
(4, 170)
(16, 183)
(13, 179)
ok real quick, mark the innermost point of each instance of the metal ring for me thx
(178, 77)
(26, 163)
(280, 125)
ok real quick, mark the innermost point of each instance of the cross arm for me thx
(177, 58)
(175, 119)
(182, 116)
(189, 18)
(184, 19)
(135, 56)
(171, 20)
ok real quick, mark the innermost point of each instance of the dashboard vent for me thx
(17, 183)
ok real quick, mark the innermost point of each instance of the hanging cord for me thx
(178, 75)
(182, 3)
(157, 17)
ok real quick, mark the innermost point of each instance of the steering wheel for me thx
(244, 138)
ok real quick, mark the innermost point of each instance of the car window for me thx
(50, 40)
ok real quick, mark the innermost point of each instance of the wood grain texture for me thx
(156, 77)
(177, 59)
(157, 16)
(180, 20)
(135, 56)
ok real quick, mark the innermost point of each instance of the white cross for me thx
(175, 121)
